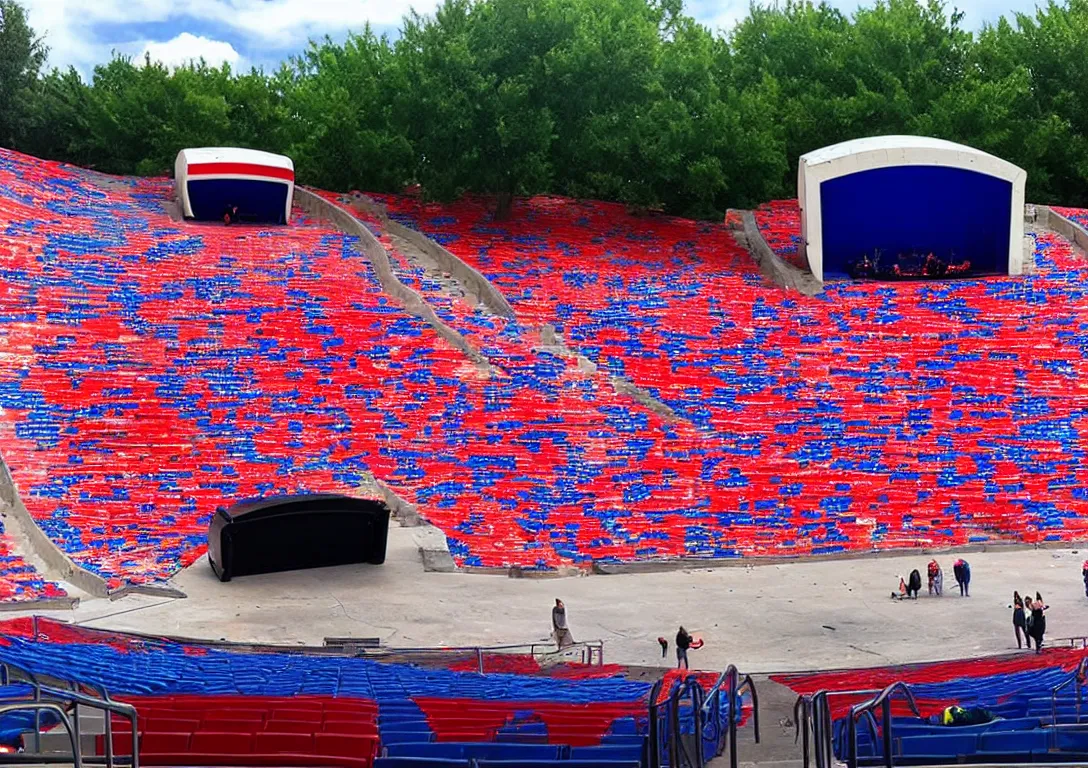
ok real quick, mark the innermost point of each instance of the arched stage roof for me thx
(852, 197)
(209, 179)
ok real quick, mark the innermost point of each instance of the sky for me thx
(244, 33)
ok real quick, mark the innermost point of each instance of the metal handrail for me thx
(106, 704)
(816, 713)
(1078, 677)
(882, 700)
(736, 687)
(62, 716)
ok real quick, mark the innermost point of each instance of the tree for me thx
(472, 97)
(340, 100)
(22, 55)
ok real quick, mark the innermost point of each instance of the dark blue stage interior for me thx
(257, 201)
(953, 213)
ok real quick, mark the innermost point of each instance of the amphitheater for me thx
(662, 422)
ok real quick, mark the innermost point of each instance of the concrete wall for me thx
(1067, 228)
(321, 208)
(21, 525)
(774, 268)
(472, 279)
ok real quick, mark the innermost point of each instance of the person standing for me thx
(1019, 624)
(1084, 575)
(961, 569)
(1038, 621)
(683, 642)
(560, 632)
(936, 578)
(1029, 620)
(915, 584)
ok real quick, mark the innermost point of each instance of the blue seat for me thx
(1013, 724)
(394, 724)
(557, 764)
(1072, 740)
(608, 752)
(953, 745)
(477, 751)
(420, 762)
(622, 738)
(401, 737)
(1014, 741)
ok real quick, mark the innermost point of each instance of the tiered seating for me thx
(154, 370)
(229, 361)
(198, 705)
(1078, 215)
(198, 730)
(779, 222)
(1015, 688)
(872, 416)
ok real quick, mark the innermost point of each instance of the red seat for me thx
(231, 726)
(350, 726)
(162, 741)
(256, 715)
(122, 743)
(231, 760)
(291, 726)
(171, 725)
(301, 715)
(295, 743)
(345, 745)
(210, 742)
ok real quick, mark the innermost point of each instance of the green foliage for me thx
(627, 100)
(21, 57)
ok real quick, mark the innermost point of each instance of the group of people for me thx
(961, 569)
(1029, 620)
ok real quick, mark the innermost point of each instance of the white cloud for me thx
(187, 47)
(69, 25)
(279, 27)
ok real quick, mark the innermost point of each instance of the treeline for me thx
(627, 100)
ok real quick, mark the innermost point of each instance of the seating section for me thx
(156, 369)
(1017, 689)
(871, 416)
(1078, 215)
(197, 705)
(779, 222)
(321, 726)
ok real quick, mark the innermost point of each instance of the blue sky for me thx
(263, 32)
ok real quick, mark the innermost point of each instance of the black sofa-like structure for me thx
(287, 533)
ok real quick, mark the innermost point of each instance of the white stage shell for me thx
(261, 184)
(816, 169)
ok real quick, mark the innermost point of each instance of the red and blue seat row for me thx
(872, 416)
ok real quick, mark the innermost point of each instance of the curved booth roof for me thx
(912, 192)
(212, 180)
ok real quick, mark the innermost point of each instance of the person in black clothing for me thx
(1084, 575)
(1019, 625)
(914, 584)
(1038, 621)
(683, 642)
(962, 571)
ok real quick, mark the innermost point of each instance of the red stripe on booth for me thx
(246, 169)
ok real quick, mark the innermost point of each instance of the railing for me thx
(712, 713)
(62, 716)
(49, 695)
(814, 712)
(589, 652)
(884, 701)
(1077, 679)
(670, 745)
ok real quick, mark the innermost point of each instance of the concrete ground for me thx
(797, 616)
